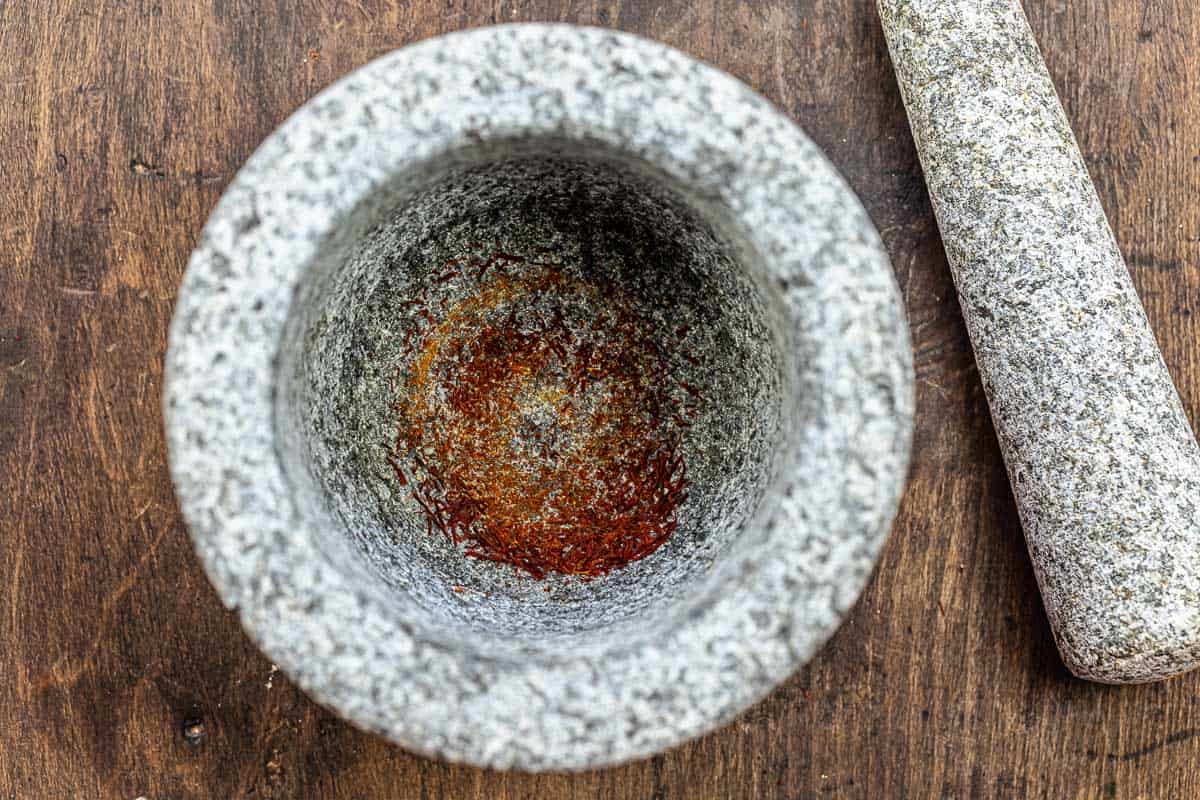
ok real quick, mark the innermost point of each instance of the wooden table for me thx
(121, 676)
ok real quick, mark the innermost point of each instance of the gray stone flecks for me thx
(1103, 464)
(620, 156)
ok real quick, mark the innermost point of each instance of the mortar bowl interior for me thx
(621, 234)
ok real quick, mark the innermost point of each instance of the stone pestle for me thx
(1103, 464)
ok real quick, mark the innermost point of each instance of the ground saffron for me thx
(536, 423)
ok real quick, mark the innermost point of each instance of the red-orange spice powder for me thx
(536, 418)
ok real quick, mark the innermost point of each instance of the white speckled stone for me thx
(382, 641)
(1103, 464)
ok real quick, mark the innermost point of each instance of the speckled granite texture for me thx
(615, 153)
(1105, 469)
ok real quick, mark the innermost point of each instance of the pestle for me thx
(1103, 464)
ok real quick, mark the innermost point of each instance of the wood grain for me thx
(120, 674)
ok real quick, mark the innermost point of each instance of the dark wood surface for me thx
(120, 674)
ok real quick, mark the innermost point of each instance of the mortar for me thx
(649, 183)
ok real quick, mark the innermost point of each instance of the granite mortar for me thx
(626, 157)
